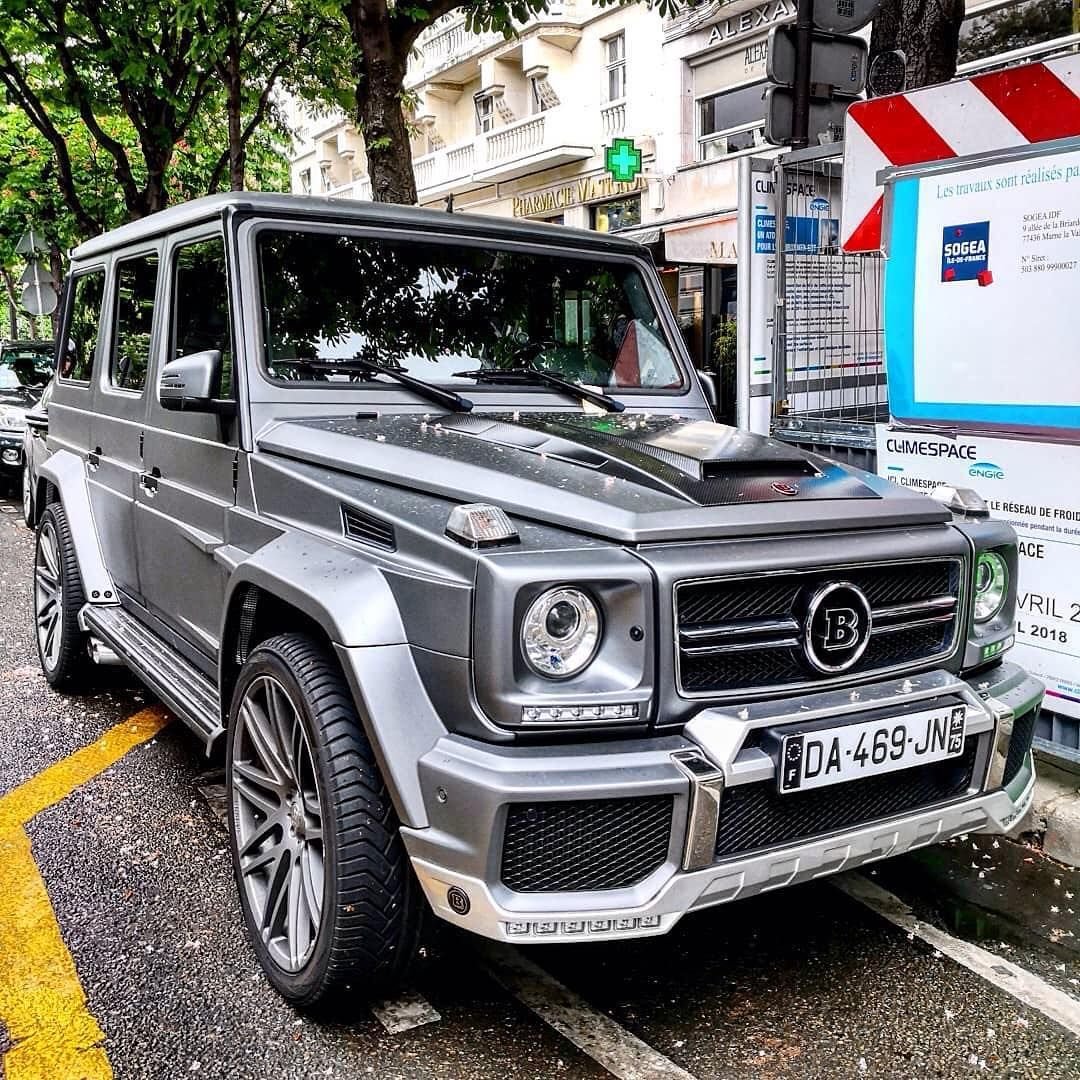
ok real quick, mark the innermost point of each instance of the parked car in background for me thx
(25, 370)
(35, 451)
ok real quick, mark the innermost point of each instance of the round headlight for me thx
(560, 633)
(991, 585)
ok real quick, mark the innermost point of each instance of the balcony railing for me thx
(447, 42)
(517, 139)
(613, 118)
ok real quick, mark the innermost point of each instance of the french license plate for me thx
(816, 759)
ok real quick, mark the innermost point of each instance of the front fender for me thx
(67, 473)
(342, 591)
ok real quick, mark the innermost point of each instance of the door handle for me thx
(149, 483)
(93, 459)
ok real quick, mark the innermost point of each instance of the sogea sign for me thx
(965, 252)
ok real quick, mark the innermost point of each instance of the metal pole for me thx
(744, 283)
(800, 106)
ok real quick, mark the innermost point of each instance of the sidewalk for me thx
(1055, 812)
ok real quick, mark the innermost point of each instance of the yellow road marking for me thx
(60, 780)
(42, 1004)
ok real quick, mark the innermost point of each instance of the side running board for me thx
(185, 689)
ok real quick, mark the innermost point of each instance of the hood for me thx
(633, 477)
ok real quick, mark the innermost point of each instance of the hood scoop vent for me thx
(366, 529)
(792, 468)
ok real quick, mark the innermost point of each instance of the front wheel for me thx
(328, 896)
(58, 598)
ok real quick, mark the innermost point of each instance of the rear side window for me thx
(201, 305)
(77, 353)
(136, 283)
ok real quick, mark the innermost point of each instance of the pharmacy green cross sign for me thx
(623, 160)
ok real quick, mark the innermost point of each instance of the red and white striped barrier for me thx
(1029, 104)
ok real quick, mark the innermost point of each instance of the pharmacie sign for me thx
(586, 190)
(748, 21)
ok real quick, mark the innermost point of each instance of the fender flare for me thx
(66, 472)
(338, 589)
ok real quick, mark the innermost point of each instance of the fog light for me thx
(560, 714)
(11, 457)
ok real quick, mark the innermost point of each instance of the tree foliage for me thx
(1015, 26)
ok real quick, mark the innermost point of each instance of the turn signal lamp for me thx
(480, 525)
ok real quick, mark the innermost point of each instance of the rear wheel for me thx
(27, 497)
(58, 598)
(329, 898)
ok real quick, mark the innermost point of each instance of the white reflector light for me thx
(479, 524)
(961, 500)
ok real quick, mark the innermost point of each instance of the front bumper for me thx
(469, 790)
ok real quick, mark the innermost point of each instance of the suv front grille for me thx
(591, 844)
(745, 634)
(754, 816)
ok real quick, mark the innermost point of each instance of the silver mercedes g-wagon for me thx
(423, 518)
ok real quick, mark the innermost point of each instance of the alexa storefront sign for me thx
(749, 21)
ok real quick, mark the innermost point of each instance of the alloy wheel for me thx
(27, 496)
(48, 596)
(278, 818)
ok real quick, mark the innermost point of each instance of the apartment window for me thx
(1015, 24)
(326, 173)
(615, 58)
(485, 113)
(305, 181)
(543, 94)
(730, 121)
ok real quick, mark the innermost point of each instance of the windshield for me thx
(442, 309)
(21, 366)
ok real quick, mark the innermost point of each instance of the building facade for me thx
(519, 127)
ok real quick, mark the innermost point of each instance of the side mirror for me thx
(191, 383)
(708, 386)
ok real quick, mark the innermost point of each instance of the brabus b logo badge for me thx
(837, 627)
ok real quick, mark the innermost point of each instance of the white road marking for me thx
(609, 1044)
(1027, 988)
(405, 1012)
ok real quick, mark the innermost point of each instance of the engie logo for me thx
(987, 470)
(965, 252)
(819, 206)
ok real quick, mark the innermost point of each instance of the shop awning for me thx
(712, 240)
(646, 236)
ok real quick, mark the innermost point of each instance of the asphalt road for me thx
(805, 982)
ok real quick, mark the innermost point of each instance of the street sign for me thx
(780, 116)
(843, 16)
(39, 299)
(31, 244)
(35, 274)
(838, 65)
(622, 159)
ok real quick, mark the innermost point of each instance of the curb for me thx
(1055, 813)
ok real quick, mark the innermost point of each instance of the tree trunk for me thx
(154, 195)
(926, 31)
(234, 104)
(56, 267)
(380, 76)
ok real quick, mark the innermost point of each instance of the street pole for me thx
(800, 118)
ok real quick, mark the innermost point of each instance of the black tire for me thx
(372, 906)
(64, 657)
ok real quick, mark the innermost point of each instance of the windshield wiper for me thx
(358, 366)
(533, 375)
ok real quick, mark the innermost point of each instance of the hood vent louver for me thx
(365, 529)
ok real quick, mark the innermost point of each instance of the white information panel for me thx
(1032, 486)
(982, 288)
